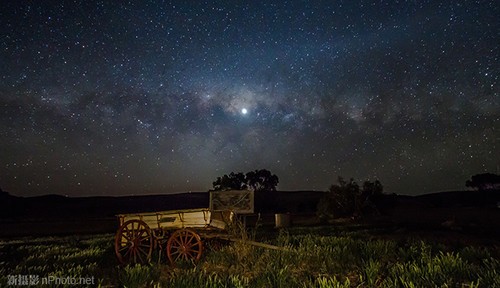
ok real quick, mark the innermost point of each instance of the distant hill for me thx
(472, 211)
(56, 206)
(487, 198)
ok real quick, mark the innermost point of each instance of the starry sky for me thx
(154, 97)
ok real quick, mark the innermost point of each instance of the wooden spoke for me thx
(177, 241)
(184, 244)
(133, 242)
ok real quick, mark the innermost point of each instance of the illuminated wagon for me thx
(180, 233)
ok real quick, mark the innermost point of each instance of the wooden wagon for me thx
(180, 234)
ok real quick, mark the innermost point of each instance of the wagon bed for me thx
(178, 219)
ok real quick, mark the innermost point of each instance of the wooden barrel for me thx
(283, 220)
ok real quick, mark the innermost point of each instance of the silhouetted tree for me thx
(233, 181)
(371, 191)
(346, 199)
(485, 181)
(264, 183)
(372, 188)
(340, 201)
(4, 193)
(258, 180)
(262, 180)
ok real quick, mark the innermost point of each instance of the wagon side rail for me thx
(178, 219)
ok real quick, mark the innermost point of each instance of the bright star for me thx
(244, 111)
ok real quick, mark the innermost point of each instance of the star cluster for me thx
(141, 97)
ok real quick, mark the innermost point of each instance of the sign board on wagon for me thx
(237, 201)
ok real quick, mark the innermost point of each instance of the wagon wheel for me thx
(133, 242)
(184, 244)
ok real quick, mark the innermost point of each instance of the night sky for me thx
(147, 97)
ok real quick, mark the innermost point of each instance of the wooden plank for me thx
(238, 201)
(218, 224)
(253, 243)
(263, 245)
(165, 212)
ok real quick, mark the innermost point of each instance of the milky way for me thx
(142, 97)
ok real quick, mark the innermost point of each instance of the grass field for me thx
(316, 257)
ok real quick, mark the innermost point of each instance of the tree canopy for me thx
(233, 181)
(484, 181)
(258, 180)
(372, 188)
(347, 199)
(262, 180)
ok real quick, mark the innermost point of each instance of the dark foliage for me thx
(233, 181)
(4, 194)
(258, 180)
(372, 189)
(345, 199)
(262, 180)
(485, 181)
